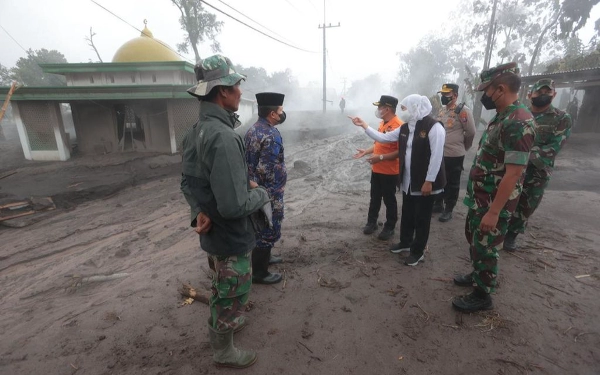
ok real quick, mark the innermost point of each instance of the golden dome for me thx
(144, 48)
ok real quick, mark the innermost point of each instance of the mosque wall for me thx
(95, 125)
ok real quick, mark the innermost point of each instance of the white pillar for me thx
(171, 127)
(21, 130)
(64, 153)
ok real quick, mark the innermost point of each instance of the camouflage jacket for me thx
(508, 139)
(215, 181)
(264, 155)
(553, 127)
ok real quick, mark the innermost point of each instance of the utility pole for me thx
(324, 27)
(477, 107)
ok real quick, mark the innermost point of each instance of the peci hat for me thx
(216, 70)
(544, 82)
(449, 87)
(488, 76)
(270, 99)
(387, 100)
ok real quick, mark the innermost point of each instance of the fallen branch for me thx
(515, 255)
(188, 291)
(307, 348)
(284, 278)
(441, 279)
(545, 263)
(425, 312)
(581, 334)
(553, 287)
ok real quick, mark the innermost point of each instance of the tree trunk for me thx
(195, 48)
(538, 45)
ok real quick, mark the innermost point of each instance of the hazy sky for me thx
(371, 33)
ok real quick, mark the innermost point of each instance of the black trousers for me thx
(454, 168)
(415, 221)
(383, 186)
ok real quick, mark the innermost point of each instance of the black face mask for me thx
(541, 101)
(487, 101)
(282, 117)
(446, 100)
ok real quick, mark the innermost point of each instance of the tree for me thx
(90, 42)
(28, 72)
(364, 91)
(5, 78)
(199, 25)
(575, 14)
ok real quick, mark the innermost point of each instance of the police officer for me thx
(216, 186)
(494, 182)
(266, 167)
(553, 127)
(460, 131)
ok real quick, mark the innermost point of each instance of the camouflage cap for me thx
(216, 70)
(488, 76)
(544, 82)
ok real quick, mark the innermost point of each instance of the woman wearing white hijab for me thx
(421, 150)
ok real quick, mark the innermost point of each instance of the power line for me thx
(14, 40)
(255, 29)
(142, 32)
(256, 22)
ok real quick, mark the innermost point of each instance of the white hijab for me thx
(417, 106)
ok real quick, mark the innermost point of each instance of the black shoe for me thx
(438, 208)
(472, 302)
(464, 280)
(510, 243)
(271, 278)
(413, 259)
(275, 260)
(399, 248)
(385, 234)
(370, 228)
(445, 216)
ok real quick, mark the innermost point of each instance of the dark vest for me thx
(421, 153)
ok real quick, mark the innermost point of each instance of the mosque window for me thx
(133, 78)
(91, 79)
(153, 77)
(112, 79)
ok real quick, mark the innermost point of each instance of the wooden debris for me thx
(553, 287)
(188, 291)
(284, 278)
(545, 263)
(9, 173)
(582, 276)
(424, 312)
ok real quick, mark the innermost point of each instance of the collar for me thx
(264, 121)
(211, 110)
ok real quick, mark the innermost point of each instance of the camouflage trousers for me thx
(231, 282)
(268, 236)
(531, 197)
(483, 248)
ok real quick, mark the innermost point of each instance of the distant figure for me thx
(342, 104)
(552, 129)
(460, 131)
(385, 170)
(573, 110)
(266, 167)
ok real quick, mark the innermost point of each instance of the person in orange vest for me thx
(384, 175)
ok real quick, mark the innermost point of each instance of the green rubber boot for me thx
(227, 355)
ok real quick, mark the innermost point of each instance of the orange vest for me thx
(387, 166)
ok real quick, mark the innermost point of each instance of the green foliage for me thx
(199, 25)
(28, 72)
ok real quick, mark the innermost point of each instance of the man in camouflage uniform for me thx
(266, 167)
(495, 182)
(460, 131)
(553, 127)
(216, 186)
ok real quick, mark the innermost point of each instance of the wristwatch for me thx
(380, 157)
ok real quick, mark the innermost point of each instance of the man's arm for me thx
(389, 156)
(543, 155)
(469, 128)
(374, 134)
(267, 159)
(505, 190)
(362, 152)
(191, 199)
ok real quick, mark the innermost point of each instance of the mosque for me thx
(137, 102)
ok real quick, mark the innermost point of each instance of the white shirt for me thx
(437, 138)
